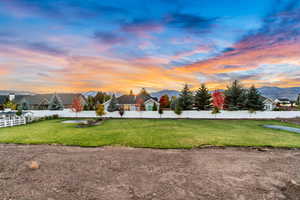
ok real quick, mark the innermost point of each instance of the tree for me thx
(91, 103)
(19, 112)
(100, 111)
(55, 103)
(186, 98)
(235, 97)
(113, 104)
(203, 98)
(298, 100)
(76, 105)
(178, 109)
(164, 101)
(173, 102)
(254, 101)
(143, 92)
(101, 97)
(160, 111)
(154, 108)
(121, 111)
(11, 105)
(218, 100)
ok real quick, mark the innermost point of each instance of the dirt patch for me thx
(66, 173)
(291, 120)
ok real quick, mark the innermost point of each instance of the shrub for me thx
(178, 109)
(55, 116)
(160, 111)
(215, 110)
(121, 111)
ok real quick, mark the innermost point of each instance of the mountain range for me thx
(270, 92)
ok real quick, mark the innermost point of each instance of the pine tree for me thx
(186, 98)
(160, 111)
(113, 104)
(235, 97)
(173, 102)
(154, 108)
(178, 109)
(298, 100)
(203, 98)
(55, 103)
(254, 101)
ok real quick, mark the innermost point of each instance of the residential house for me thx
(283, 102)
(44, 101)
(269, 104)
(139, 102)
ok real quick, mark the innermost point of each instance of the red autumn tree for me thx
(218, 99)
(164, 101)
(76, 105)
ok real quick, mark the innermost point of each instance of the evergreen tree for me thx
(160, 111)
(235, 97)
(254, 101)
(154, 108)
(203, 98)
(178, 108)
(186, 98)
(55, 103)
(91, 103)
(101, 98)
(113, 104)
(298, 100)
(173, 102)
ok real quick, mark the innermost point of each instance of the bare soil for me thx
(43, 172)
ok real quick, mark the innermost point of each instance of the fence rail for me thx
(16, 121)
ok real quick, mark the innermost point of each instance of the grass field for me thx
(154, 133)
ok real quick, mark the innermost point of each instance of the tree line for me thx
(235, 97)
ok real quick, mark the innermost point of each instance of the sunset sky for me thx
(118, 45)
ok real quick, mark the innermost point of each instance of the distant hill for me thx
(276, 92)
(94, 93)
(7, 92)
(170, 93)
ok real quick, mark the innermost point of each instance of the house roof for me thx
(283, 99)
(134, 99)
(65, 98)
(37, 99)
(126, 99)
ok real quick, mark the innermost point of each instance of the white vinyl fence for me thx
(171, 115)
(12, 121)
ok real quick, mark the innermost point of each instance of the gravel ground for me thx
(43, 172)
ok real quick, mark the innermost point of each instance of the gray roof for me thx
(65, 98)
(134, 99)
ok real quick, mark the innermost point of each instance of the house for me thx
(269, 104)
(56, 101)
(139, 102)
(283, 102)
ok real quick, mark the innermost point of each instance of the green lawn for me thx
(154, 133)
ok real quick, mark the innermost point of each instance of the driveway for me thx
(65, 173)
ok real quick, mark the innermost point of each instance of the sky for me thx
(118, 45)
